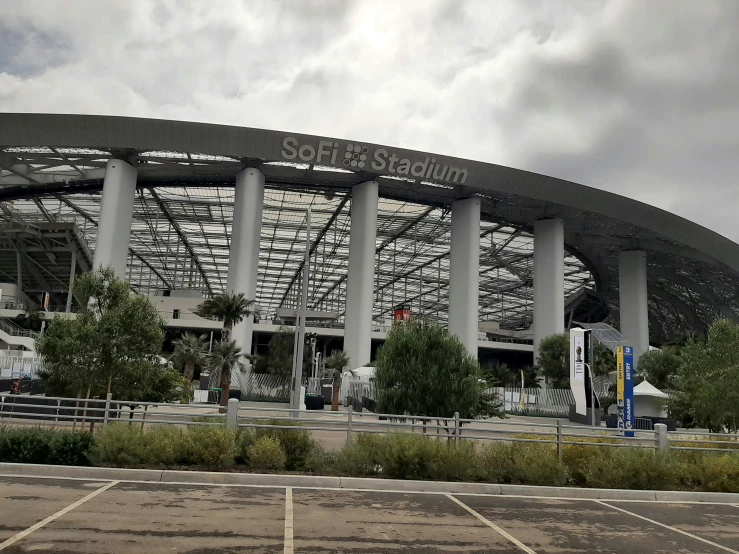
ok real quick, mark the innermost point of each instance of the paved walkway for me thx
(79, 516)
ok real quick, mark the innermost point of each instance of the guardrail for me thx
(15, 330)
(558, 434)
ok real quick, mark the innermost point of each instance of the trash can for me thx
(313, 401)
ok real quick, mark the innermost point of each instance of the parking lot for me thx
(77, 516)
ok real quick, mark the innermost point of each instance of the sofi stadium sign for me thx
(359, 156)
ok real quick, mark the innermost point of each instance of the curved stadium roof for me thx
(51, 168)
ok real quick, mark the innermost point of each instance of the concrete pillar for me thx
(632, 299)
(464, 273)
(116, 214)
(72, 275)
(243, 262)
(549, 280)
(361, 275)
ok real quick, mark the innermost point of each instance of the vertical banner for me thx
(628, 393)
(620, 387)
(577, 370)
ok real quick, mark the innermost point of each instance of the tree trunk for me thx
(84, 412)
(225, 386)
(227, 331)
(144, 417)
(189, 372)
(76, 405)
(335, 397)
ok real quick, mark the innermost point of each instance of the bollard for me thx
(559, 440)
(232, 413)
(106, 415)
(456, 428)
(349, 425)
(660, 430)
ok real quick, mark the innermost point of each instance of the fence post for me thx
(349, 425)
(661, 433)
(559, 439)
(456, 428)
(106, 415)
(232, 412)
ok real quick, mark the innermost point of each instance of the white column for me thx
(464, 273)
(549, 282)
(72, 275)
(243, 261)
(361, 275)
(632, 299)
(116, 214)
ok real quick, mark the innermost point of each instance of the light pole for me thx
(300, 324)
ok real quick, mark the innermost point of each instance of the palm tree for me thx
(189, 351)
(228, 307)
(501, 373)
(224, 357)
(336, 363)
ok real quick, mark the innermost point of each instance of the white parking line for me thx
(675, 529)
(492, 525)
(289, 549)
(60, 513)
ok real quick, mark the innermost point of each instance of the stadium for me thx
(185, 210)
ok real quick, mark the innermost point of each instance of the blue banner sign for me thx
(629, 417)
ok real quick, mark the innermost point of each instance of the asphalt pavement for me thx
(69, 516)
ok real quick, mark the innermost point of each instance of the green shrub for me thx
(244, 439)
(360, 458)
(322, 462)
(166, 445)
(716, 472)
(577, 458)
(406, 456)
(71, 448)
(632, 468)
(494, 459)
(211, 446)
(120, 445)
(266, 453)
(31, 445)
(25, 446)
(455, 462)
(534, 464)
(297, 443)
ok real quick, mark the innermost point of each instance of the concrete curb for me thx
(355, 483)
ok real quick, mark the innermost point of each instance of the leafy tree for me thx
(531, 377)
(31, 318)
(279, 358)
(504, 376)
(335, 364)
(224, 358)
(189, 352)
(554, 360)
(604, 362)
(660, 367)
(231, 308)
(104, 348)
(501, 373)
(706, 387)
(423, 370)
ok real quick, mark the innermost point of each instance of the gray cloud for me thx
(639, 98)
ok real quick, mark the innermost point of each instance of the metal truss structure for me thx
(183, 212)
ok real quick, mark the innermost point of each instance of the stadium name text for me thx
(359, 157)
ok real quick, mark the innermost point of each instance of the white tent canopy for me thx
(645, 388)
(648, 400)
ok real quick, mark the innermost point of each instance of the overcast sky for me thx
(637, 97)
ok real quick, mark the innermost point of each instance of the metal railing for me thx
(56, 411)
(15, 330)
(14, 367)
